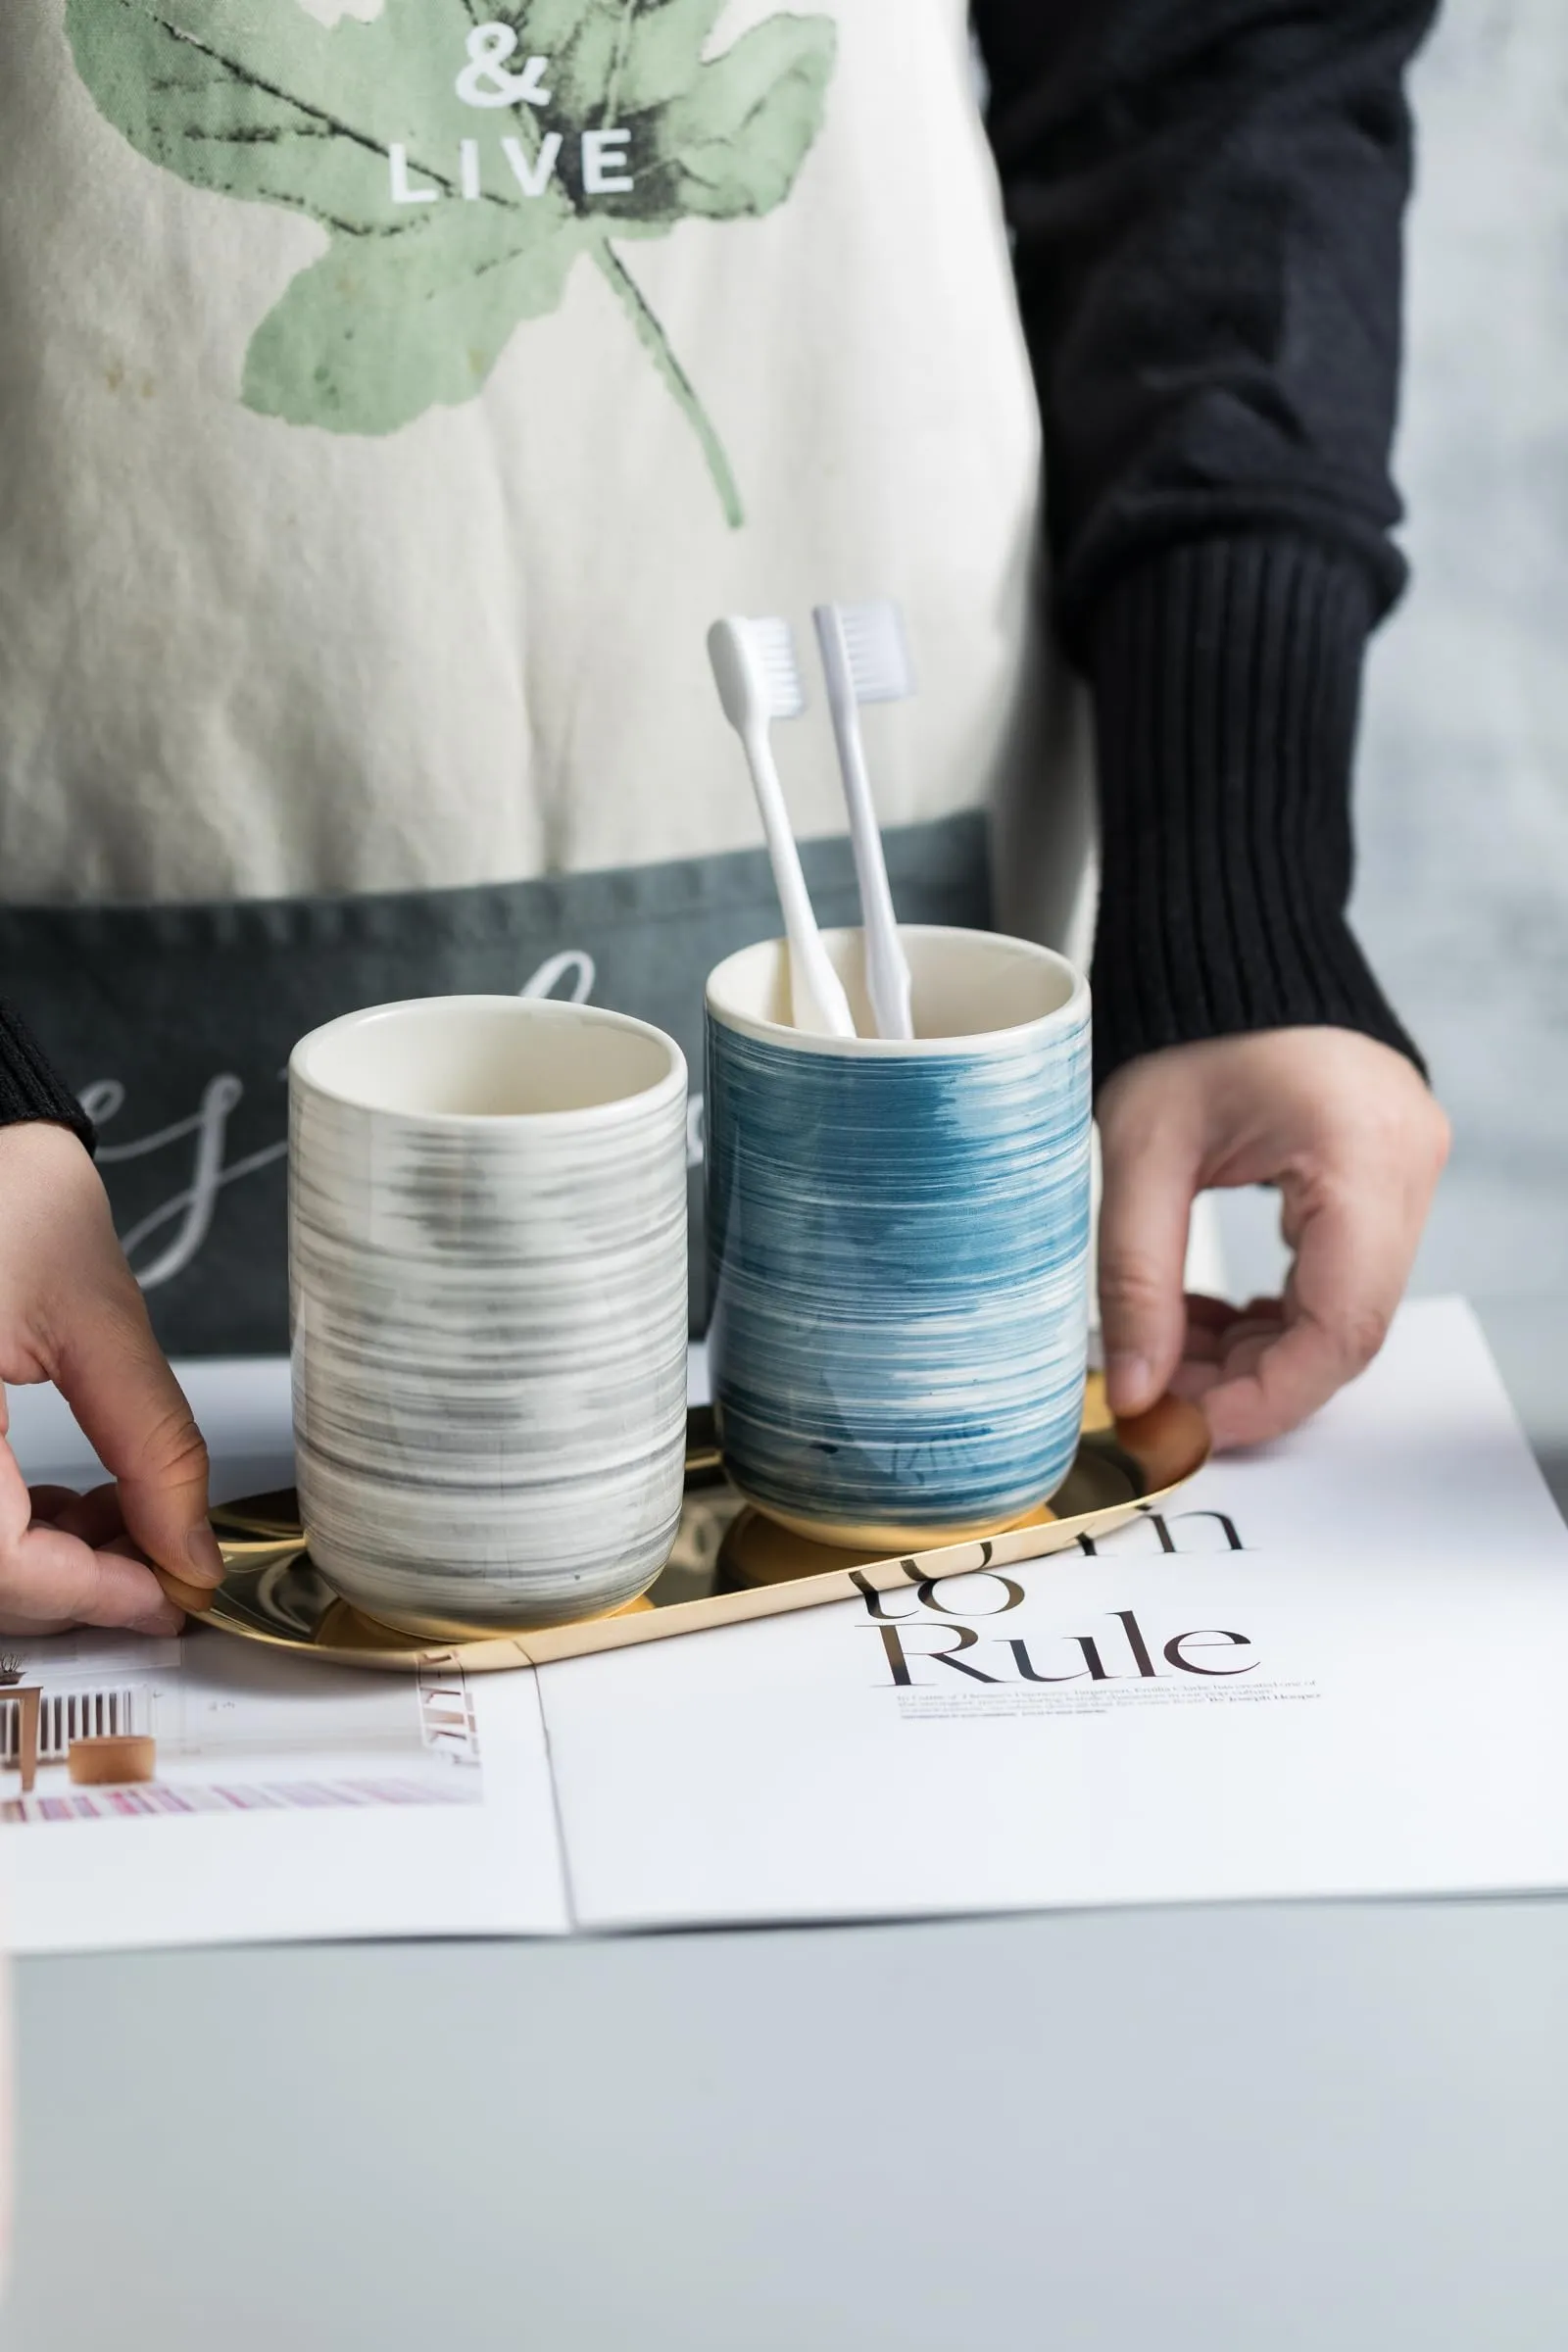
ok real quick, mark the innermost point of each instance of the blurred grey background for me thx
(1462, 890)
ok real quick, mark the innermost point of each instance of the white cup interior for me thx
(487, 1057)
(966, 984)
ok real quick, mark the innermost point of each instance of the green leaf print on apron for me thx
(459, 168)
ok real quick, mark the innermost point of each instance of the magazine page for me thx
(1325, 1669)
(288, 1800)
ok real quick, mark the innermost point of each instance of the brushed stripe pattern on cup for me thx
(899, 1252)
(489, 1356)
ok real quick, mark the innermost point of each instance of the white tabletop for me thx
(1248, 2129)
(1324, 2130)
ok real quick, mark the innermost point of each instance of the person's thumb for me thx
(112, 1373)
(1146, 1205)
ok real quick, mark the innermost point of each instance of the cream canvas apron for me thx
(391, 392)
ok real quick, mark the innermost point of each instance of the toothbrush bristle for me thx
(880, 670)
(774, 642)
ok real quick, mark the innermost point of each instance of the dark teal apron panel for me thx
(175, 1024)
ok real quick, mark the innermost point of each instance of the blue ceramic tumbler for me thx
(898, 1239)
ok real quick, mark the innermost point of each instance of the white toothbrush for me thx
(865, 660)
(759, 680)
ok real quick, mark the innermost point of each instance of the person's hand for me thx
(71, 1312)
(1354, 1140)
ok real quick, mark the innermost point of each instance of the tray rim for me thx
(1154, 1442)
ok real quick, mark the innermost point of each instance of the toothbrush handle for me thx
(818, 1001)
(887, 972)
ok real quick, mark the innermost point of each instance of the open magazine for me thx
(1330, 1668)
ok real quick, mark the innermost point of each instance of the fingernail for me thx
(193, 1599)
(203, 1554)
(1129, 1376)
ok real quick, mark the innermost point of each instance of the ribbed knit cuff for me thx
(29, 1088)
(1226, 677)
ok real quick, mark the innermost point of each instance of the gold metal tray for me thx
(729, 1562)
